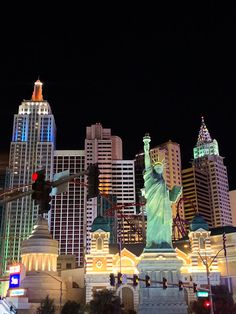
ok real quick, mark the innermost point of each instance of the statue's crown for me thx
(158, 162)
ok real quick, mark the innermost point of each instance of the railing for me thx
(8, 306)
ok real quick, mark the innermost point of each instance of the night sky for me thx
(132, 72)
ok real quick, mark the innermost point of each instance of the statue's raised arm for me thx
(147, 160)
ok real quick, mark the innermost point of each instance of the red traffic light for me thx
(207, 304)
(35, 176)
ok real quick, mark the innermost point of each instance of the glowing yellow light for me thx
(14, 269)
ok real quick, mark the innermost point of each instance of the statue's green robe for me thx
(159, 211)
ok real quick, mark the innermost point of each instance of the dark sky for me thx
(133, 72)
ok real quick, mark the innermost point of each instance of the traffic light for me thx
(135, 280)
(46, 198)
(41, 191)
(164, 283)
(39, 180)
(112, 280)
(147, 281)
(119, 278)
(194, 287)
(224, 245)
(93, 181)
(181, 285)
(207, 304)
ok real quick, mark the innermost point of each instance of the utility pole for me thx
(226, 260)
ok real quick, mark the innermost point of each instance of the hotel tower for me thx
(205, 184)
(32, 148)
(116, 175)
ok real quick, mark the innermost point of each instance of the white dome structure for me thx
(39, 256)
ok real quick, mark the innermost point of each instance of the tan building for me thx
(170, 153)
(232, 197)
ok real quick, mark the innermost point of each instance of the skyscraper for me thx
(3, 169)
(116, 176)
(68, 209)
(196, 194)
(32, 148)
(123, 187)
(215, 195)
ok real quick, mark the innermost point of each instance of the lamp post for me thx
(60, 300)
(204, 261)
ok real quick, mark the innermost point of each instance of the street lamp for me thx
(60, 300)
(204, 261)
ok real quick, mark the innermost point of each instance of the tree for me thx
(223, 300)
(71, 307)
(46, 306)
(105, 302)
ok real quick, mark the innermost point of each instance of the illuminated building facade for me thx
(207, 160)
(196, 194)
(3, 169)
(116, 175)
(232, 196)
(68, 209)
(32, 148)
(123, 186)
(201, 244)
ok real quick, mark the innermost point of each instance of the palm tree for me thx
(105, 302)
(46, 306)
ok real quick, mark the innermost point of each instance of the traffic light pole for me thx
(208, 274)
(69, 178)
(15, 197)
(17, 194)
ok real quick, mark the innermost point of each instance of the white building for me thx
(32, 148)
(68, 209)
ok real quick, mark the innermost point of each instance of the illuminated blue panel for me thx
(49, 132)
(46, 134)
(24, 131)
(15, 136)
(14, 281)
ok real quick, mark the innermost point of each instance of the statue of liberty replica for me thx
(159, 260)
(158, 201)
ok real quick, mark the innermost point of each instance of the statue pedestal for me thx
(159, 263)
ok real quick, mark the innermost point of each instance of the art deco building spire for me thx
(204, 135)
(38, 89)
(205, 145)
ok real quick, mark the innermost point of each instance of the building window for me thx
(68, 265)
(202, 243)
(99, 244)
